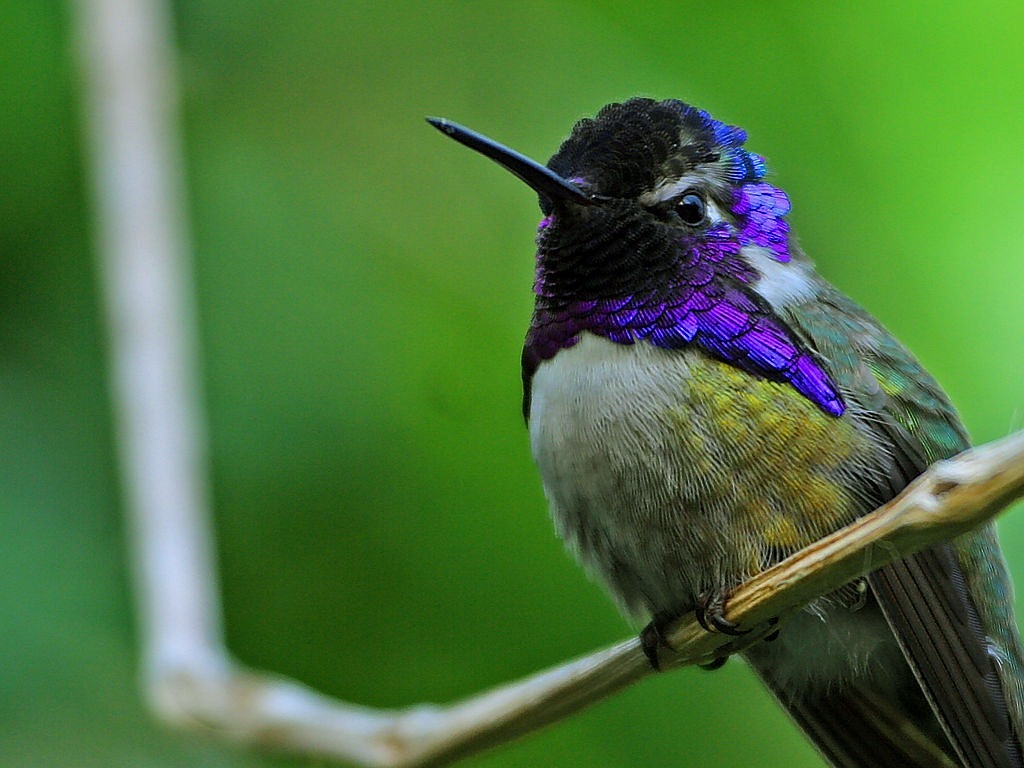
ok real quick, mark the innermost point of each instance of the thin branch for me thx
(189, 677)
(130, 102)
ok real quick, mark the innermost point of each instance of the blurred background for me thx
(363, 288)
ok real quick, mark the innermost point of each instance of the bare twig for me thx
(189, 677)
(130, 99)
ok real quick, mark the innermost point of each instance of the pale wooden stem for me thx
(130, 102)
(189, 677)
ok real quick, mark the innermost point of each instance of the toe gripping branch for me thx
(710, 614)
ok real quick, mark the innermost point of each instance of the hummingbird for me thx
(701, 403)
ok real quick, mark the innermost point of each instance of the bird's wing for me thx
(926, 602)
(855, 727)
(927, 597)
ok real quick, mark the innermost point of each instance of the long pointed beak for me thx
(542, 179)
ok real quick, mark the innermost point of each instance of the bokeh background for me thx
(363, 287)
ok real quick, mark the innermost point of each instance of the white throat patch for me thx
(782, 283)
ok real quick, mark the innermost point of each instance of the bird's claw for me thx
(652, 639)
(710, 613)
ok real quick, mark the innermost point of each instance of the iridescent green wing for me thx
(937, 602)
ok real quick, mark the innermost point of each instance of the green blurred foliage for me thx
(363, 289)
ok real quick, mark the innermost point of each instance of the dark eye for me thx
(692, 209)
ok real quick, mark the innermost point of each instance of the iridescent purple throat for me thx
(711, 302)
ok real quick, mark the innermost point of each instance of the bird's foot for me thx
(652, 638)
(710, 613)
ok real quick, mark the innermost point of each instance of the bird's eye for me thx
(692, 209)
